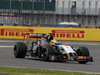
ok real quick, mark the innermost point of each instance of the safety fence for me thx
(27, 5)
(44, 12)
(75, 34)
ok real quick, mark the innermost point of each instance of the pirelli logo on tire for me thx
(68, 33)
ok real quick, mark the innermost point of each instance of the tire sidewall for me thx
(50, 51)
(83, 52)
(20, 50)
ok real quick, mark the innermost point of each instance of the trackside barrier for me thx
(75, 34)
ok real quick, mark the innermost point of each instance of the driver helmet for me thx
(53, 42)
(49, 37)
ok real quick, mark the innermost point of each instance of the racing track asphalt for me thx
(7, 58)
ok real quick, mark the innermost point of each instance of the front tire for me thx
(47, 51)
(20, 50)
(83, 51)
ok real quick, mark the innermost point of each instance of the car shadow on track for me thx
(56, 61)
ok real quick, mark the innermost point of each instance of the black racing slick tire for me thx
(20, 50)
(83, 51)
(47, 50)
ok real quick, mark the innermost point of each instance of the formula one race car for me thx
(47, 48)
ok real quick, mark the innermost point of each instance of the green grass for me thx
(22, 71)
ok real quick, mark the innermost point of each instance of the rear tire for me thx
(47, 50)
(83, 51)
(20, 50)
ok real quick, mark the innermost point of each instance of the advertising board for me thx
(74, 34)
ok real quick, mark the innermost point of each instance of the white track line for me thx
(80, 43)
(6, 46)
(6, 41)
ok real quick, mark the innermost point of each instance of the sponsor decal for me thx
(14, 32)
(68, 33)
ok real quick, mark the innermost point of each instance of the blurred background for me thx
(49, 13)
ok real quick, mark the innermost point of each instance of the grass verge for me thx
(23, 71)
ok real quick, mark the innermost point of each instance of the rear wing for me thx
(27, 36)
(32, 35)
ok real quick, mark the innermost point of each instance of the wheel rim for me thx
(45, 53)
(79, 52)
